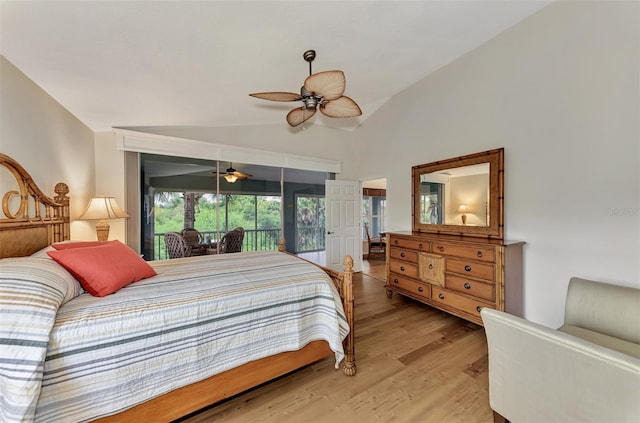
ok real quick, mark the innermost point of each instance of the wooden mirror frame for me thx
(494, 230)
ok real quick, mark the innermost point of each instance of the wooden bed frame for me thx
(40, 221)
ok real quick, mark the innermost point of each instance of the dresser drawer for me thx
(415, 287)
(470, 268)
(481, 253)
(403, 268)
(431, 268)
(410, 243)
(482, 290)
(458, 301)
(406, 255)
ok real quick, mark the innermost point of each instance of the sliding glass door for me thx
(310, 218)
(178, 192)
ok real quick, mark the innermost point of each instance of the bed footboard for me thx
(344, 283)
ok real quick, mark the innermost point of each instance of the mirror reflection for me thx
(455, 196)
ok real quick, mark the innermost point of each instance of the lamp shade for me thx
(102, 208)
(463, 208)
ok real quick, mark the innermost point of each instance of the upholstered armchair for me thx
(588, 370)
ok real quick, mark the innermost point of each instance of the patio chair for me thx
(231, 242)
(194, 240)
(176, 245)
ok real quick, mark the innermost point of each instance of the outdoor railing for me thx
(254, 240)
(310, 239)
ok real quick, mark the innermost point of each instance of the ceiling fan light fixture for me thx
(231, 178)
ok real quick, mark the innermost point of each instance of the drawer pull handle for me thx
(430, 266)
(467, 268)
(396, 280)
(440, 248)
(402, 254)
(479, 254)
(478, 309)
(420, 246)
(402, 268)
(395, 241)
(441, 296)
(420, 289)
(467, 285)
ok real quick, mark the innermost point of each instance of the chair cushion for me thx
(606, 341)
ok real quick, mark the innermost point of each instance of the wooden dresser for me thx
(459, 275)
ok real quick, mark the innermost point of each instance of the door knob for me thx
(329, 233)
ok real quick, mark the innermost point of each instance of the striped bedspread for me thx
(198, 317)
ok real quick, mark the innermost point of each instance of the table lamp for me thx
(102, 208)
(464, 209)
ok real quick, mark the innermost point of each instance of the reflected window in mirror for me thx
(431, 200)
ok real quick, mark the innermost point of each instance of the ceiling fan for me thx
(323, 90)
(232, 175)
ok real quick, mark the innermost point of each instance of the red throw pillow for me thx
(79, 244)
(104, 269)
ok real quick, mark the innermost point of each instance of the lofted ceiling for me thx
(193, 63)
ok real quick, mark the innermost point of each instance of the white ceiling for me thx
(193, 63)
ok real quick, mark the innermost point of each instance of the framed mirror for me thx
(460, 196)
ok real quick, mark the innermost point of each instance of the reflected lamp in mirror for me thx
(103, 209)
(464, 209)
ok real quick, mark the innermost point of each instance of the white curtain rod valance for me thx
(182, 147)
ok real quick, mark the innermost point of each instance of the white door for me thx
(342, 223)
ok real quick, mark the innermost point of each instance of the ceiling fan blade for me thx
(299, 115)
(328, 84)
(342, 107)
(277, 96)
(241, 175)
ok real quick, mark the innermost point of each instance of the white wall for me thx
(47, 140)
(559, 92)
(110, 182)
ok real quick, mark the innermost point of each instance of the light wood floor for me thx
(415, 364)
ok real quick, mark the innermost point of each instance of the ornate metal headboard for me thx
(33, 220)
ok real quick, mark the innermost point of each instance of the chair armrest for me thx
(539, 374)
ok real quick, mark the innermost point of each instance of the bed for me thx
(196, 331)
